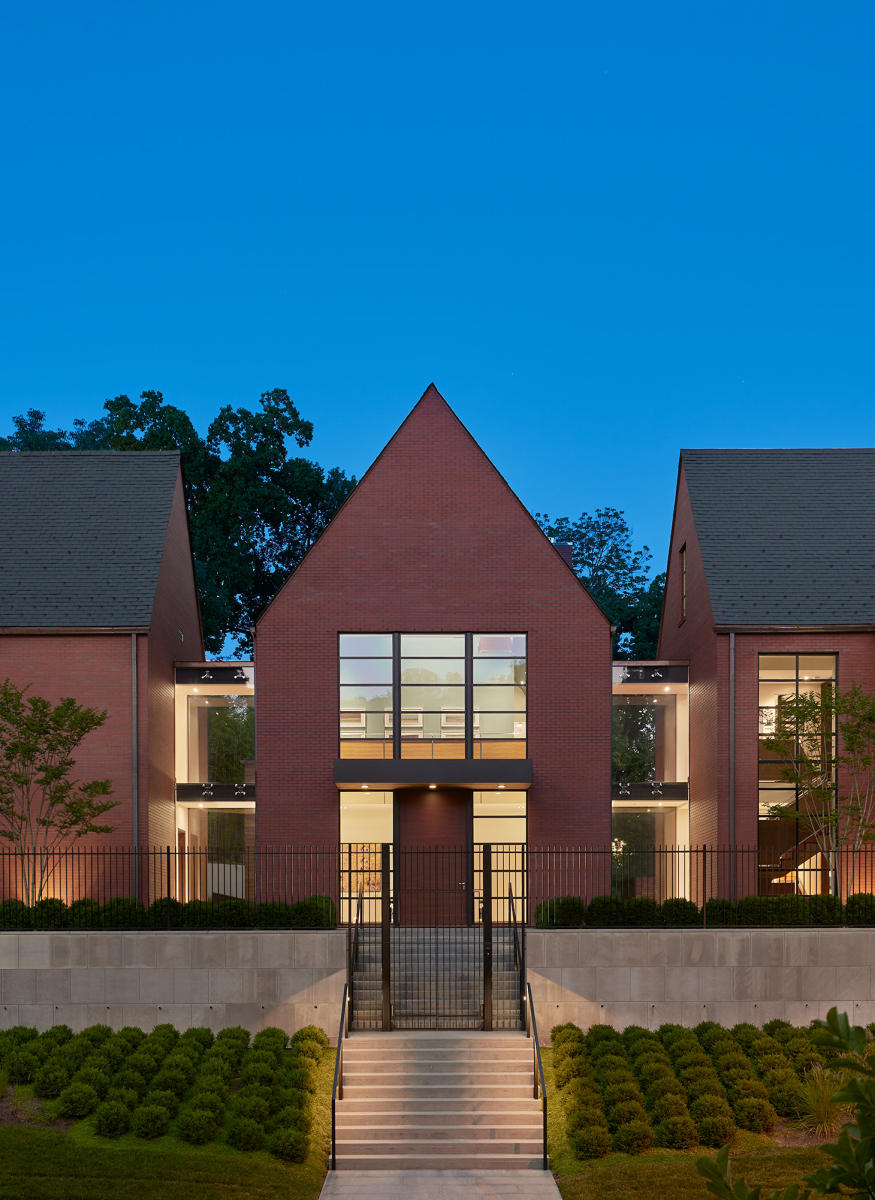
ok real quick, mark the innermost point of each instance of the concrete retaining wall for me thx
(647, 977)
(251, 979)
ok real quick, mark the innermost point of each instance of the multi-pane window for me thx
(433, 695)
(783, 676)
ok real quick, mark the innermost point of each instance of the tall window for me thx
(782, 676)
(432, 695)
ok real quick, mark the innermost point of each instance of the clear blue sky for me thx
(604, 230)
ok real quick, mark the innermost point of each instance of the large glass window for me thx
(452, 694)
(366, 694)
(788, 854)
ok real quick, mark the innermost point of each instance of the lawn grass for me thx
(46, 1164)
(671, 1174)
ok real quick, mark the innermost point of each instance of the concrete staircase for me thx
(438, 1101)
(436, 979)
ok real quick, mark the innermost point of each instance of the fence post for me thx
(168, 888)
(487, 937)
(386, 934)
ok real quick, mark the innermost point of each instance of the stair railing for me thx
(519, 960)
(538, 1085)
(353, 957)
(337, 1088)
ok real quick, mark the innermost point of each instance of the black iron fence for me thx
(103, 887)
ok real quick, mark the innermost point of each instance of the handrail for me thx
(337, 1088)
(537, 1066)
(517, 948)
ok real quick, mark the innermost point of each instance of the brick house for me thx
(769, 592)
(98, 602)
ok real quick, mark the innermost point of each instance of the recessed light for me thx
(666, 689)
(432, 787)
(364, 787)
(501, 787)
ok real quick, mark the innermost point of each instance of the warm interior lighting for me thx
(501, 787)
(666, 689)
(364, 787)
(432, 787)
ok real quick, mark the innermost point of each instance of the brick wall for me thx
(433, 541)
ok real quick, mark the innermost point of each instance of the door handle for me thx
(462, 884)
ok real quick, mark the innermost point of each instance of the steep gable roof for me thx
(81, 536)
(433, 474)
(787, 536)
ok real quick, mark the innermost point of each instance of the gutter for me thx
(135, 764)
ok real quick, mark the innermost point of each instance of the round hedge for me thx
(756, 1115)
(625, 1113)
(150, 1121)
(289, 1144)
(50, 1081)
(668, 1106)
(111, 1119)
(197, 1126)
(22, 1066)
(245, 1134)
(634, 1138)
(716, 1130)
(676, 1133)
(211, 1101)
(156, 1096)
(77, 1100)
(592, 1142)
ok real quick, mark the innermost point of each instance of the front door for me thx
(433, 858)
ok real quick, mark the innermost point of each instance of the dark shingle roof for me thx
(81, 536)
(787, 536)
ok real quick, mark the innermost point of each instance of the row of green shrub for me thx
(610, 912)
(677, 1087)
(314, 912)
(191, 1085)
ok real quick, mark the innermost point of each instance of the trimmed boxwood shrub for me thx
(678, 913)
(716, 1130)
(198, 914)
(756, 1115)
(245, 1134)
(166, 1100)
(197, 1126)
(150, 1121)
(199, 1036)
(77, 1100)
(50, 913)
(860, 910)
(562, 912)
(592, 1142)
(289, 1144)
(618, 1093)
(95, 1078)
(719, 913)
(634, 1138)
(671, 1105)
(676, 1133)
(315, 912)
(22, 1066)
(251, 1108)
(123, 914)
(111, 1119)
(126, 1096)
(626, 1112)
(568, 1068)
(131, 1079)
(84, 914)
(293, 1118)
(606, 912)
(642, 913)
(50, 1080)
(14, 914)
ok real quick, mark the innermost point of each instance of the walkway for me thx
(439, 1185)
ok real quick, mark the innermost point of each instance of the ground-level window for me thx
(366, 824)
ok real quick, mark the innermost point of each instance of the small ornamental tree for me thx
(804, 739)
(41, 807)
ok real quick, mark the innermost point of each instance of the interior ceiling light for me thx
(364, 787)
(501, 787)
(666, 688)
(432, 787)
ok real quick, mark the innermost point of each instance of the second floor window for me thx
(432, 695)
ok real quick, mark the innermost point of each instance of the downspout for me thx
(732, 766)
(135, 766)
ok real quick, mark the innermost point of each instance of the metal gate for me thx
(436, 936)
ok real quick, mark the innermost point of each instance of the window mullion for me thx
(469, 695)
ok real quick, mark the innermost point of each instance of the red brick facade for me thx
(708, 651)
(96, 668)
(433, 540)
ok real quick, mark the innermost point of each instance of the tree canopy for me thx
(615, 574)
(254, 509)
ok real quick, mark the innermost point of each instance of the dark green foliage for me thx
(591, 1142)
(276, 1040)
(251, 1108)
(316, 912)
(719, 913)
(197, 1126)
(293, 1118)
(634, 1138)
(211, 1101)
(77, 1100)
(289, 1144)
(22, 1066)
(662, 1088)
(123, 914)
(676, 1133)
(165, 913)
(126, 1096)
(131, 1079)
(679, 913)
(560, 1034)
(568, 1068)
(200, 1036)
(257, 1072)
(625, 1112)
(150, 1121)
(84, 914)
(168, 1100)
(617, 1093)
(111, 1119)
(99, 1080)
(179, 1061)
(271, 914)
(50, 913)
(245, 1134)
(14, 914)
(561, 912)
(756, 1115)
(642, 913)
(170, 1080)
(50, 1080)
(310, 1048)
(716, 1130)
(198, 914)
(710, 1104)
(671, 1105)
(234, 914)
(606, 912)
(859, 910)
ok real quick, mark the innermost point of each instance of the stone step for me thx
(411, 1131)
(422, 1116)
(487, 1107)
(444, 1159)
(466, 1091)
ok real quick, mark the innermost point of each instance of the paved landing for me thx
(439, 1185)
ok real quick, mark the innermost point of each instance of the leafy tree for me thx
(41, 807)
(254, 511)
(804, 740)
(633, 742)
(615, 574)
(850, 1049)
(230, 739)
